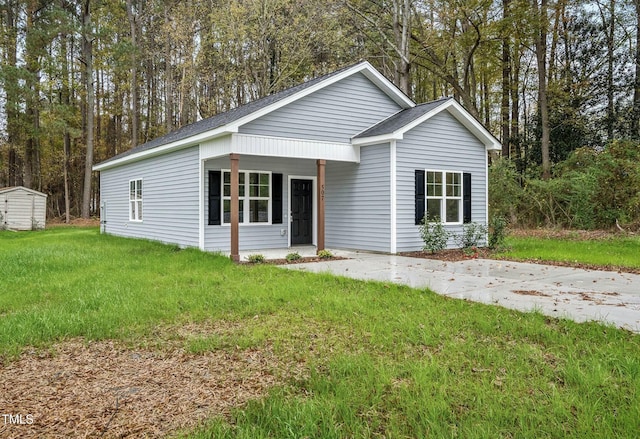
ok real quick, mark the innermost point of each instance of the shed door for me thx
(301, 211)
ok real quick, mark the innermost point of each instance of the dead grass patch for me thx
(76, 222)
(104, 389)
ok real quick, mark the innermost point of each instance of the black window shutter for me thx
(276, 202)
(420, 198)
(215, 194)
(466, 197)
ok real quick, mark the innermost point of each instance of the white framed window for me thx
(444, 196)
(254, 197)
(135, 200)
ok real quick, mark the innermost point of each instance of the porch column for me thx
(321, 165)
(235, 207)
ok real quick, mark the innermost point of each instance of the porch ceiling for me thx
(248, 144)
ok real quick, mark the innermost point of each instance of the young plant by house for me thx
(434, 235)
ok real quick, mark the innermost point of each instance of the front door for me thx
(301, 211)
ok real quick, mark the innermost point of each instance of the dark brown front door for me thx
(301, 211)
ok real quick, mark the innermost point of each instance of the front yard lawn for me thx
(609, 251)
(336, 357)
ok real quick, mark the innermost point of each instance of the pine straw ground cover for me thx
(103, 389)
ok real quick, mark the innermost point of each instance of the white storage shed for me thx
(22, 208)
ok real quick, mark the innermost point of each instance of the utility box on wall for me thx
(22, 208)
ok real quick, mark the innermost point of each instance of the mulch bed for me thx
(485, 253)
(302, 260)
(452, 255)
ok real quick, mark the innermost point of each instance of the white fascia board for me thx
(266, 146)
(178, 144)
(377, 140)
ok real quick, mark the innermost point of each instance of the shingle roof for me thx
(227, 117)
(401, 119)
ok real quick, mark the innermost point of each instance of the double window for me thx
(135, 200)
(443, 196)
(254, 197)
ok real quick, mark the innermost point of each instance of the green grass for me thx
(383, 360)
(616, 252)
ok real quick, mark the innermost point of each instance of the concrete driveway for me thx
(572, 293)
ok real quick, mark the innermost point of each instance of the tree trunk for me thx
(135, 119)
(87, 52)
(608, 23)
(168, 74)
(67, 196)
(635, 121)
(402, 29)
(65, 98)
(515, 99)
(398, 16)
(32, 143)
(611, 116)
(12, 91)
(506, 81)
(541, 60)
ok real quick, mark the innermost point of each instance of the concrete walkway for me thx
(573, 293)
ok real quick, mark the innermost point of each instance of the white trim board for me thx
(269, 146)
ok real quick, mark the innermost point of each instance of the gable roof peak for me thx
(399, 123)
(229, 121)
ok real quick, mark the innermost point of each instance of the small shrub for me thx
(434, 235)
(497, 231)
(325, 254)
(472, 235)
(293, 257)
(471, 252)
(256, 259)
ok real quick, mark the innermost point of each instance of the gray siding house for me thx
(345, 160)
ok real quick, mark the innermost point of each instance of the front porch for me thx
(265, 194)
